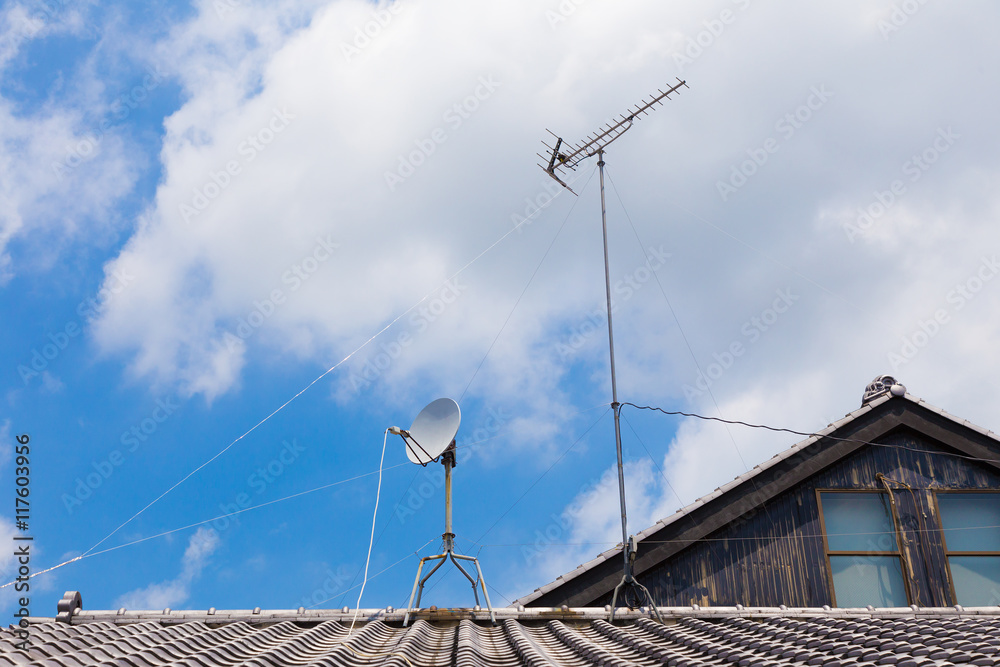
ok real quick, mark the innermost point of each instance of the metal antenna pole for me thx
(449, 537)
(628, 546)
(614, 384)
(566, 156)
(448, 547)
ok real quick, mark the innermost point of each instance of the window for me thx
(863, 550)
(971, 527)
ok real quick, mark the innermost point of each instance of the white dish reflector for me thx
(432, 431)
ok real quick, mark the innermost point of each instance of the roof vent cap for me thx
(883, 384)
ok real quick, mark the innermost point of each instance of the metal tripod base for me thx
(418, 583)
(629, 580)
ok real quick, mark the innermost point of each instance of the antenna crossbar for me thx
(565, 155)
(568, 158)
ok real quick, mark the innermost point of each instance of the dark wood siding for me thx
(775, 555)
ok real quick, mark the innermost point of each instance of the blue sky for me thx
(204, 208)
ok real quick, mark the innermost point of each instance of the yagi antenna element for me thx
(432, 437)
(565, 156)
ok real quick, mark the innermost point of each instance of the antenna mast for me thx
(432, 437)
(568, 158)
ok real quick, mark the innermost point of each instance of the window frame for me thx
(903, 568)
(944, 538)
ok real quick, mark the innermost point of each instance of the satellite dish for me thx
(432, 431)
(430, 438)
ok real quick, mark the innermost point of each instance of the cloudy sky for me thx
(209, 209)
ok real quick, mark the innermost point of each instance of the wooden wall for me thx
(775, 556)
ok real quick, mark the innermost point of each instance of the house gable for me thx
(775, 504)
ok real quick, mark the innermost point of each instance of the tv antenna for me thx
(430, 438)
(564, 156)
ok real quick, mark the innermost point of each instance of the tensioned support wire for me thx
(526, 286)
(475, 444)
(371, 540)
(684, 337)
(260, 506)
(497, 337)
(253, 428)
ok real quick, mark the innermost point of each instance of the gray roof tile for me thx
(540, 638)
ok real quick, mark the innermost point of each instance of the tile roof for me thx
(791, 452)
(907, 637)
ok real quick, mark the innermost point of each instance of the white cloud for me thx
(590, 524)
(328, 123)
(61, 174)
(174, 592)
(292, 121)
(51, 384)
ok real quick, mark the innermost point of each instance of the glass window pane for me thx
(976, 579)
(859, 581)
(971, 521)
(858, 522)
